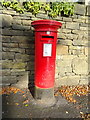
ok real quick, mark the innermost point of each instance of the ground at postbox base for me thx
(71, 102)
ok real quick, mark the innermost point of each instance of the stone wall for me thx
(72, 64)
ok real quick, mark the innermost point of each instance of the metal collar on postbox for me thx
(46, 25)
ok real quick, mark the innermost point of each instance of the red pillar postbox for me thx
(45, 54)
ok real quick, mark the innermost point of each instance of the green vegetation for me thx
(53, 9)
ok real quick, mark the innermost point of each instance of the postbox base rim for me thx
(45, 103)
(44, 97)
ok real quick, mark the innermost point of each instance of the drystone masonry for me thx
(73, 44)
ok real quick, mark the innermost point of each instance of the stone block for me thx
(56, 75)
(0, 41)
(17, 73)
(81, 37)
(0, 26)
(83, 57)
(23, 81)
(8, 55)
(6, 38)
(84, 25)
(18, 70)
(6, 20)
(79, 42)
(59, 73)
(29, 33)
(62, 49)
(84, 17)
(64, 66)
(16, 50)
(6, 72)
(18, 65)
(75, 16)
(0, 32)
(63, 25)
(22, 57)
(80, 9)
(1, 8)
(22, 39)
(75, 47)
(7, 64)
(42, 16)
(69, 80)
(87, 21)
(88, 38)
(67, 19)
(88, 10)
(15, 21)
(84, 80)
(32, 72)
(1, 18)
(71, 36)
(0, 74)
(32, 57)
(79, 20)
(21, 17)
(30, 51)
(34, 18)
(87, 49)
(5, 84)
(67, 57)
(80, 66)
(10, 45)
(60, 31)
(9, 79)
(76, 50)
(89, 28)
(69, 74)
(9, 12)
(72, 25)
(30, 66)
(65, 42)
(78, 32)
(66, 30)
(58, 18)
(21, 45)
(57, 57)
(0, 54)
(8, 32)
(20, 27)
(28, 14)
(84, 28)
(61, 35)
(12, 32)
(26, 22)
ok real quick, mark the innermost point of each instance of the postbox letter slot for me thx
(52, 37)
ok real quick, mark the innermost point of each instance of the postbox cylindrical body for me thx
(45, 52)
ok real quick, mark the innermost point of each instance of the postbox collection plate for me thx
(47, 50)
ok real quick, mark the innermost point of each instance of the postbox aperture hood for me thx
(44, 25)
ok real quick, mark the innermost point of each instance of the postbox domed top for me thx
(44, 25)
